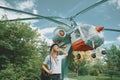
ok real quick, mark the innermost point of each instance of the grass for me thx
(88, 77)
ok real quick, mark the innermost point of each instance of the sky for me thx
(106, 14)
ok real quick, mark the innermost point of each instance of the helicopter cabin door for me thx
(76, 35)
(76, 39)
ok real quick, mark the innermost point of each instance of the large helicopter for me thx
(81, 37)
(75, 37)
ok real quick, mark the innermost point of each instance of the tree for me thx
(20, 56)
(17, 42)
(112, 60)
(79, 65)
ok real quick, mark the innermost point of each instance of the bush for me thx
(93, 72)
(20, 73)
(8, 73)
(83, 71)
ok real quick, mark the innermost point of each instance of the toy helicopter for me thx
(75, 37)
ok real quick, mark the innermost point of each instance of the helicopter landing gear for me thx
(103, 52)
(93, 55)
(78, 56)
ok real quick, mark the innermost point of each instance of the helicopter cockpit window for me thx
(87, 31)
(77, 33)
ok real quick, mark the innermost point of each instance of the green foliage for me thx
(83, 69)
(93, 71)
(21, 52)
(79, 67)
(25, 72)
(112, 60)
(8, 74)
(73, 76)
(72, 65)
(17, 41)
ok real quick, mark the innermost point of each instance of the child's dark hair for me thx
(53, 46)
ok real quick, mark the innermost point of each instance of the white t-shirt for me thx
(55, 67)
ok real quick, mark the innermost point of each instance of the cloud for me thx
(118, 38)
(5, 12)
(14, 15)
(115, 2)
(49, 41)
(109, 42)
(27, 4)
(4, 3)
(47, 30)
(44, 31)
(116, 42)
(35, 11)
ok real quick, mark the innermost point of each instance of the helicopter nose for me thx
(99, 29)
(95, 41)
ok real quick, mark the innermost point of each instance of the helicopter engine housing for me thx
(61, 35)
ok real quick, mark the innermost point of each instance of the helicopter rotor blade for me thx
(89, 8)
(31, 18)
(115, 30)
(22, 19)
(44, 17)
